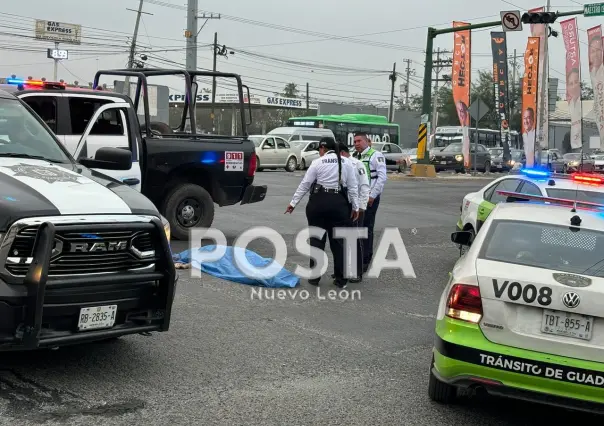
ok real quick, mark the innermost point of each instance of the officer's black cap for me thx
(328, 143)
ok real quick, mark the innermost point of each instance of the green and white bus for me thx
(343, 126)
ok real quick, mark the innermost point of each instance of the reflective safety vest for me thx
(366, 159)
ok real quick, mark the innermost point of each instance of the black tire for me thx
(441, 392)
(258, 168)
(463, 249)
(162, 128)
(188, 206)
(402, 167)
(487, 167)
(292, 164)
(565, 169)
(303, 164)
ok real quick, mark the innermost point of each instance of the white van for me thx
(292, 134)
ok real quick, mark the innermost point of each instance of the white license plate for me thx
(567, 324)
(443, 162)
(499, 166)
(97, 317)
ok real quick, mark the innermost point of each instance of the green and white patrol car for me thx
(521, 315)
(476, 206)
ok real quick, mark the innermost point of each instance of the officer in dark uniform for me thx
(328, 205)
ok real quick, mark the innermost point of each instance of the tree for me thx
(290, 90)
(587, 93)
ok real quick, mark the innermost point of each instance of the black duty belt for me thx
(319, 188)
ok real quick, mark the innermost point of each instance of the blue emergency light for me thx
(535, 173)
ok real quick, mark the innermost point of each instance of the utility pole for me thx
(215, 49)
(192, 32)
(56, 63)
(393, 79)
(307, 99)
(513, 103)
(139, 12)
(440, 64)
(408, 74)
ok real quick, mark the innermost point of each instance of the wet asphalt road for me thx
(228, 359)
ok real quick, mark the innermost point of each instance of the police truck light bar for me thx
(560, 201)
(36, 83)
(586, 178)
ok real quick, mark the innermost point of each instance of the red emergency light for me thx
(588, 178)
(36, 84)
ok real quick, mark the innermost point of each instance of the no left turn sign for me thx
(510, 20)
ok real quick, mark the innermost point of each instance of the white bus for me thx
(488, 137)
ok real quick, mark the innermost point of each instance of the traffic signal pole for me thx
(426, 169)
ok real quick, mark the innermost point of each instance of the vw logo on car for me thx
(571, 299)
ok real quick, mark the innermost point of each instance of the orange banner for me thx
(461, 84)
(530, 89)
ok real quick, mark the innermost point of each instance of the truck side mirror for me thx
(109, 158)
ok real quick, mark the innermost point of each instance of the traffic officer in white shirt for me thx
(328, 206)
(364, 188)
(375, 166)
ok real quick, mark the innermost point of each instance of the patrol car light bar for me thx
(559, 201)
(587, 178)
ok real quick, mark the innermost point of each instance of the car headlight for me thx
(166, 224)
(574, 163)
(459, 157)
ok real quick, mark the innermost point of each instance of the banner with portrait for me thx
(570, 35)
(500, 88)
(539, 30)
(460, 81)
(596, 73)
(530, 87)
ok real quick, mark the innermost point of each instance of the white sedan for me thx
(306, 151)
(521, 315)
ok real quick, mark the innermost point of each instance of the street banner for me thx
(530, 87)
(461, 85)
(596, 72)
(500, 88)
(539, 30)
(570, 35)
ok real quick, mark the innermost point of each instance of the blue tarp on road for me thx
(227, 269)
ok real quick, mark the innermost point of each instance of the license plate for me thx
(97, 317)
(443, 162)
(567, 324)
(499, 166)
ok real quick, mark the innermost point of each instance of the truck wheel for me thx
(188, 206)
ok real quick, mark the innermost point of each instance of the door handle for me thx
(131, 181)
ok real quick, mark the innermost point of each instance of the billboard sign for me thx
(59, 32)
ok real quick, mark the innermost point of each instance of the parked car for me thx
(291, 134)
(412, 154)
(497, 163)
(395, 159)
(577, 162)
(306, 151)
(274, 152)
(599, 163)
(451, 158)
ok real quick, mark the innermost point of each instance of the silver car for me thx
(307, 152)
(274, 152)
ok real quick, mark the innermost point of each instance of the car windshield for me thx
(578, 194)
(517, 155)
(284, 136)
(377, 146)
(496, 152)
(412, 151)
(577, 251)
(574, 157)
(599, 157)
(454, 147)
(256, 139)
(21, 135)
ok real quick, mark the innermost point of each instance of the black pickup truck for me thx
(183, 173)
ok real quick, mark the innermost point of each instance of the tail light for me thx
(464, 303)
(253, 163)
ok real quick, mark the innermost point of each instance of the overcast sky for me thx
(384, 32)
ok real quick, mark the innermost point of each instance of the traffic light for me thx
(539, 18)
